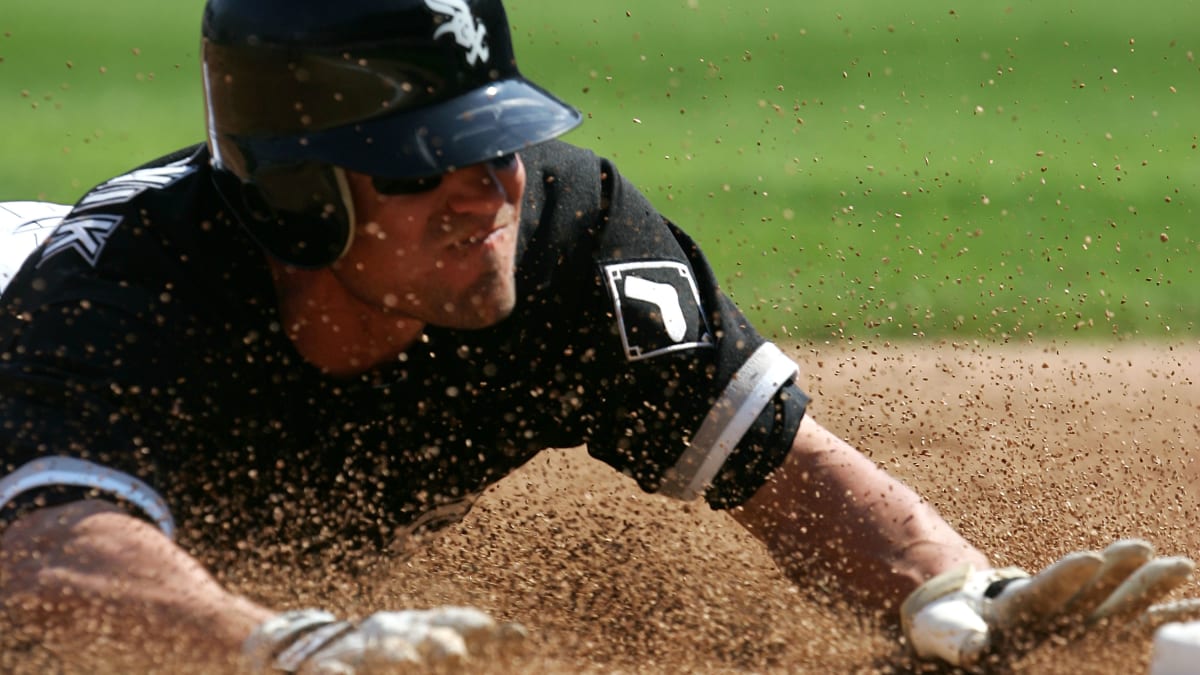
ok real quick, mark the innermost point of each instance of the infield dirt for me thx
(1032, 451)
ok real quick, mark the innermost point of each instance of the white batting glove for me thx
(314, 641)
(957, 616)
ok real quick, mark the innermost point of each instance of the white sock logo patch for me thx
(468, 31)
(657, 308)
(662, 296)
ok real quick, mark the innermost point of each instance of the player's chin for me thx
(486, 305)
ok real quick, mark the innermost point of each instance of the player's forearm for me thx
(88, 576)
(831, 505)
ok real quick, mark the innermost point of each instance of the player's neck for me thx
(334, 330)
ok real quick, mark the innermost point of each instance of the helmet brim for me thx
(502, 117)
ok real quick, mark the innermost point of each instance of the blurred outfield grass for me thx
(853, 169)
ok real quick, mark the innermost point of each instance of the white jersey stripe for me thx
(50, 471)
(750, 390)
(125, 187)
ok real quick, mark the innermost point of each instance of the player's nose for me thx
(483, 187)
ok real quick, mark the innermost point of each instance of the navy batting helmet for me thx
(298, 89)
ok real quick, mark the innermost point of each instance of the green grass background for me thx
(855, 169)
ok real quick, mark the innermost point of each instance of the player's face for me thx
(445, 255)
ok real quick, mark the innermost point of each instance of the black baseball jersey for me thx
(142, 359)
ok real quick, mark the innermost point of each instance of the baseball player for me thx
(380, 286)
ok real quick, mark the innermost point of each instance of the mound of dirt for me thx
(1031, 451)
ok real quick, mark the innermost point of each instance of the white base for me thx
(1176, 649)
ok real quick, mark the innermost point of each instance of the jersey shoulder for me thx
(571, 189)
(116, 215)
(151, 228)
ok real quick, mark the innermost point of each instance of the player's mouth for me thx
(477, 238)
(480, 234)
(470, 231)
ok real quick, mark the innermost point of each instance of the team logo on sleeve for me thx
(658, 308)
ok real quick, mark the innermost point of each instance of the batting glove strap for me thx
(944, 617)
(284, 642)
(314, 641)
(290, 659)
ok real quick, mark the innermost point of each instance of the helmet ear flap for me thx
(302, 214)
(256, 207)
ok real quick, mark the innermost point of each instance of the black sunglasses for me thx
(412, 186)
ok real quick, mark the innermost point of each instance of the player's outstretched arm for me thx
(89, 581)
(829, 510)
(95, 585)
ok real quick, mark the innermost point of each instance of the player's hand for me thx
(313, 641)
(959, 615)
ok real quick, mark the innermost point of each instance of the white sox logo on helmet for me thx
(468, 31)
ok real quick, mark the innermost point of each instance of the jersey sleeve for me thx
(93, 344)
(686, 396)
(76, 413)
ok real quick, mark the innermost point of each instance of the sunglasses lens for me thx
(412, 186)
(505, 162)
(404, 186)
